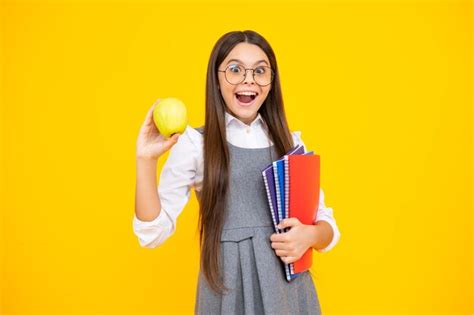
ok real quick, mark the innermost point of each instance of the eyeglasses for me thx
(235, 74)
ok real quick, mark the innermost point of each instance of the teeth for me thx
(246, 93)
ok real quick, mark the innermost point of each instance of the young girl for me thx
(245, 130)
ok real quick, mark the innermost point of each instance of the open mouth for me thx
(246, 98)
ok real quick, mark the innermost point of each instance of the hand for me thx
(150, 143)
(291, 245)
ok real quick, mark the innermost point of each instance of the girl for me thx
(245, 130)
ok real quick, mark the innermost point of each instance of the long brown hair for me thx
(216, 155)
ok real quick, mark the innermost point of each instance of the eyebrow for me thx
(242, 62)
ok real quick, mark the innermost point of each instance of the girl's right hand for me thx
(150, 143)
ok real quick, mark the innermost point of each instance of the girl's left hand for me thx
(290, 246)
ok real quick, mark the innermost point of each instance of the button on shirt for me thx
(183, 171)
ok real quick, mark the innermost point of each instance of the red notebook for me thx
(303, 182)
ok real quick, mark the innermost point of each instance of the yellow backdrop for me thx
(381, 90)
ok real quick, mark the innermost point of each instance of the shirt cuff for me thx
(153, 233)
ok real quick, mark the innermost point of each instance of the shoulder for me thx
(192, 137)
(186, 153)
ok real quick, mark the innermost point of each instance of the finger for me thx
(278, 245)
(278, 237)
(149, 114)
(288, 223)
(174, 138)
(171, 141)
(281, 253)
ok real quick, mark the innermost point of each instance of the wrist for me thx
(146, 159)
(313, 233)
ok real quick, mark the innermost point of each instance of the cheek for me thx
(226, 89)
(265, 93)
(227, 93)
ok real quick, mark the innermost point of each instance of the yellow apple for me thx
(170, 116)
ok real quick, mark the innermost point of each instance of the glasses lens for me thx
(263, 75)
(235, 74)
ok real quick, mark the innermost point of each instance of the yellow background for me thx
(381, 90)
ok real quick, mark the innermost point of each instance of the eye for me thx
(234, 68)
(260, 70)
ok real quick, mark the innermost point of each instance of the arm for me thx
(155, 221)
(323, 222)
(290, 246)
(150, 146)
(156, 209)
(320, 235)
(147, 200)
(153, 224)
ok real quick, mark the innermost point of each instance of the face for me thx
(244, 106)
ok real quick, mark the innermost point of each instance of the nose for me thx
(248, 76)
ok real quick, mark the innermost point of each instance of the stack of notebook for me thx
(292, 186)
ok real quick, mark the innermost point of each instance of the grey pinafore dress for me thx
(250, 266)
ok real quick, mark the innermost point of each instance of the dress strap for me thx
(200, 129)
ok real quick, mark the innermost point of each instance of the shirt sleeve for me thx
(324, 213)
(174, 189)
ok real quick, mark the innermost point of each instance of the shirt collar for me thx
(229, 118)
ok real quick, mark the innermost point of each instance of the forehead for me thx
(249, 54)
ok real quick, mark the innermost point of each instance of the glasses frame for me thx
(245, 74)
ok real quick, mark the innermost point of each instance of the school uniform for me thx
(250, 267)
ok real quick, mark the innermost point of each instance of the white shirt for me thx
(183, 170)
